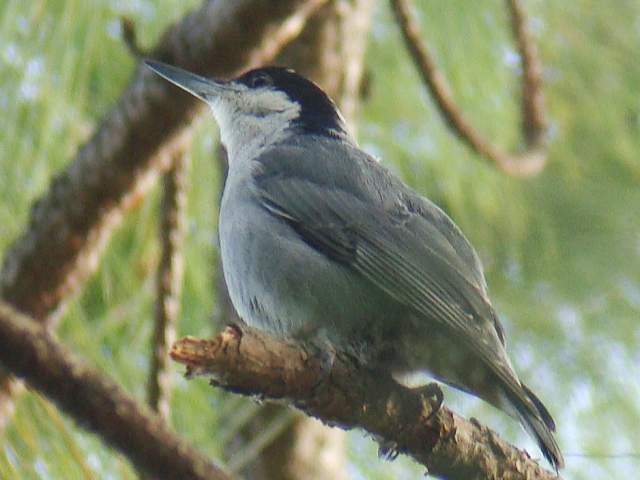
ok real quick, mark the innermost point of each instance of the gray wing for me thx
(403, 245)
(457, 251)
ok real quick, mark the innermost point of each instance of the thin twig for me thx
(533, 116)
(534, 158)
(169, 282)
(96, 402)
(250, 362)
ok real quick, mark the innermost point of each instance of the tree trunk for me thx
(331, 52)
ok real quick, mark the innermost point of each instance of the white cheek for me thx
(236, 127)
(250, 122)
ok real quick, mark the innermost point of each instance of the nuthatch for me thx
(321, 243)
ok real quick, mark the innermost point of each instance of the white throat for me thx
(250, 123)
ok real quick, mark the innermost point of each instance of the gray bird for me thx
(320, 242)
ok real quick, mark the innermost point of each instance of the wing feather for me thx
(397, 261)
(405, 255)
(404, 245)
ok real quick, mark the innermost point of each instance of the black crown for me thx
(318, 113)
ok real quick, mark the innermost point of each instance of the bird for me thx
(321, 243)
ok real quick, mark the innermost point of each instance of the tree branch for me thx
(169, 282)
(97, 403)
(251, 363)
(534, 158)
(71, 224)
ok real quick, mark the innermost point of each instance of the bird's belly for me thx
(280, 284)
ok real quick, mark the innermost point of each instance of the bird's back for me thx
(282, 279)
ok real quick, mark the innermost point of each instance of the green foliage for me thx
(562, 251)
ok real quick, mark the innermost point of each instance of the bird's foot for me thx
(388, 450)
(324, 356)
(327, 358)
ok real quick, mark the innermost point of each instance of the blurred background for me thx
(561, 250)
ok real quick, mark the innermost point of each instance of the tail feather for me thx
(538, 424)
(542, 410)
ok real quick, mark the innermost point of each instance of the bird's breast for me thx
(280, 284)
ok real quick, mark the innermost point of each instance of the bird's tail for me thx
(538, 423)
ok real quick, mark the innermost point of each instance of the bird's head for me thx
(262, 106)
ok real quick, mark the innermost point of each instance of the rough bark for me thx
(96, 403)
(249, 362)
(70, 225)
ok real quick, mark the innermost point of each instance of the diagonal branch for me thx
(534, 158)
(72, 222)
(169, 282)
(252, 363)
(97, 403)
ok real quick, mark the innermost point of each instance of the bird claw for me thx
(388, 450)
(325, 357)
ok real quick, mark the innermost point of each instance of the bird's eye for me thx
(262, 80)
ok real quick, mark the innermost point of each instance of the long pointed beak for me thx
(198, 86)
